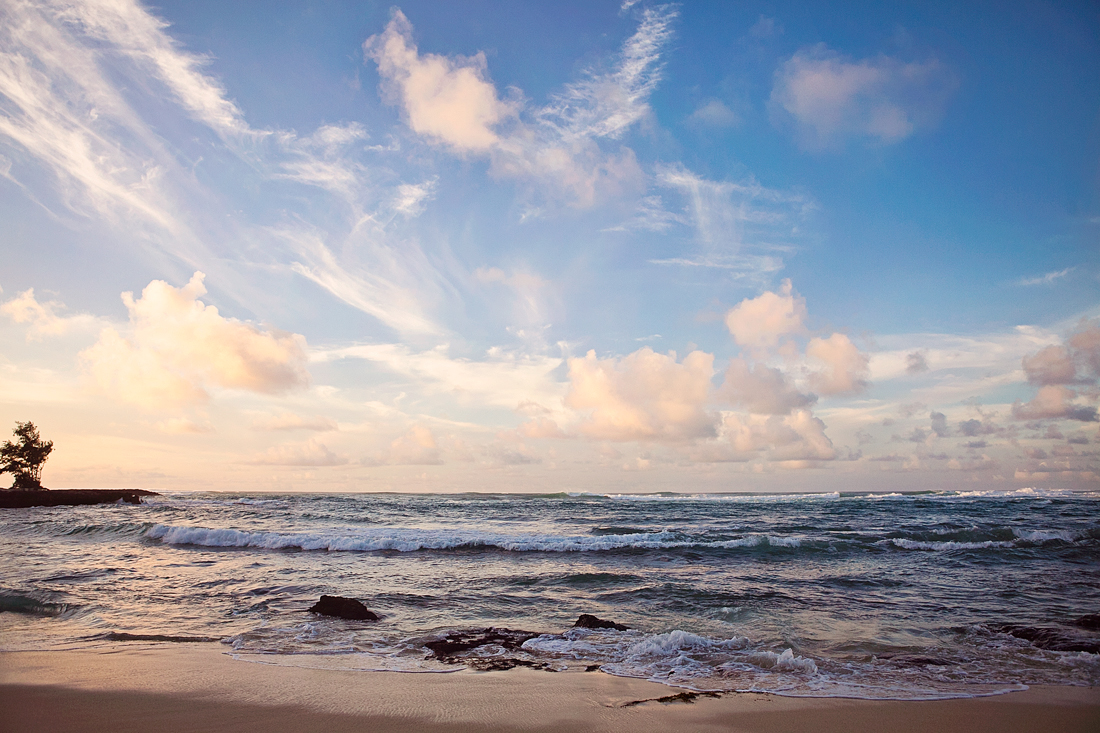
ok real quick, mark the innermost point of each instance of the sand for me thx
(197, 687)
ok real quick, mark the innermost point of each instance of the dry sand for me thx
(197, 687)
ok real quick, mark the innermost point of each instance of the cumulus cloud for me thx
(829, 98)
(415, 448)
(42, 318)
(796, 437)
(915, 362)
(1053, 368)
(451, 101)
(176, 348)
(846, 368)
(642, 396)
(1052, 365)
(1054, 401)
(310, 453)
(762, 390)
(760, 323)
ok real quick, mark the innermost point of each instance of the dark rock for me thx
(588, 621)
(123, 636)
(1091, 621)
(450, 646)
(13, 499)
(341, 607)
(1052, 639)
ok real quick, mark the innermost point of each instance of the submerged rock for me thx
(1052, 639)
(485, 650)
(588, 621)
(341, 607)
(1091, 621)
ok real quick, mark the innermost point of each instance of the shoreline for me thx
(188, 686)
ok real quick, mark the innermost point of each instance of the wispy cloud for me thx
(1047, 279)
(606, 104)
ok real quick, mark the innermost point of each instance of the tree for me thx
(24, 459)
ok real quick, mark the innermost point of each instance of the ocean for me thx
(912, 596)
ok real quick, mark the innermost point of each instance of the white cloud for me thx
(310, 453)
(642, 396)
(450, 101)
(1046, 279)
(830, 98)
(503, 379)
(846, 368)
(744, 227)
(605, 105)
(176, 347)
(713, 113)
(415, 448)
(798, 436)
(761, 323)
(42, 318)
(762, 390)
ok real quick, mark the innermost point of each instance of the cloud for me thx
(642, 396)
(453, 102)
(177, 347)
(713, 113)
(742, 226)
(310, 453)
(846, 368)
(1046, 279)
(829, 98)
(450, 101)
(1052, 368)
(605, 105)
(503, 379)
(796, 437)
(290, 421)
(762, 390)
(1054, 401)
(939, 424)
(765, 28)
(915, 363)
(761, 323)
(416, 448)
(1052, 365)
(42, 317)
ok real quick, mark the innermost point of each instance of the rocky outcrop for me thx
(588, 621)
(15, 499)
(460, 647)
(341, 607)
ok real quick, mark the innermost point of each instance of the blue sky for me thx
(519, 246)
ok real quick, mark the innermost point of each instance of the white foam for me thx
(408, 540)
(783, 662)
(944, 546)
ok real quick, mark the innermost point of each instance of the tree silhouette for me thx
(24, 459)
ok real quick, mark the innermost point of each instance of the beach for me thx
(198, 687)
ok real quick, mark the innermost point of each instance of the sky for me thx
(542, 247)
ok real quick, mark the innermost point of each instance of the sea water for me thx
(901, 596)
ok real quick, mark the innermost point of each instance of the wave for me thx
(413, 540)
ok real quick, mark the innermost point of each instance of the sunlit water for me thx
(876, 596)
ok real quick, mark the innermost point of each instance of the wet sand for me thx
(197, 687)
